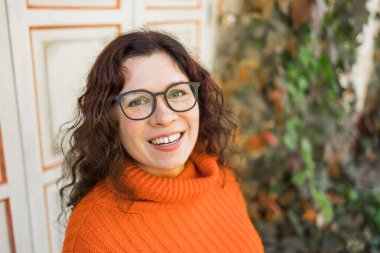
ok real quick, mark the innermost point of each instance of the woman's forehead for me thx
(154, 72)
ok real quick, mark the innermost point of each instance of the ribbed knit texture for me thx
(200, 210)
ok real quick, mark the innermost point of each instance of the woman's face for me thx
(155, 73)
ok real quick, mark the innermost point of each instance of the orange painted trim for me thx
(46, 185)
(174, 7)
(48, 167)
(196, 21)
(8, 214)
(51, 27)
(197, 24)
(3, 171)
(52, 166)
(29, 6)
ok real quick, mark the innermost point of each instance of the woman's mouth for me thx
(167, 140)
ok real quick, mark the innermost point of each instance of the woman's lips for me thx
(166, 134)
(170, 146)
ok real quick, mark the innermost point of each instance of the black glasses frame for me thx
(194, 88)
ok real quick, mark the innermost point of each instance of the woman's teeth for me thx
(166, 140)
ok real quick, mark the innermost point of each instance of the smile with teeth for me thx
(163, 141)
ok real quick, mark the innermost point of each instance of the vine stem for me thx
(363, 67)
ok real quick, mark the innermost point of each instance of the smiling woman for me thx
(147, 121)
(146, 165)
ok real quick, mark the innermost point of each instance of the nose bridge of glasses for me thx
(162, 93)
(162, 112)
(158, 94)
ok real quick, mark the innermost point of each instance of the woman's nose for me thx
(163, 115)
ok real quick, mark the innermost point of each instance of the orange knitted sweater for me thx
(200, 210)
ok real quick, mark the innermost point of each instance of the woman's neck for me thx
(168, 173)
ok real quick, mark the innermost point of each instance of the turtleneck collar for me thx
(148, 191)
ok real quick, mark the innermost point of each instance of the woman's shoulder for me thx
(90, 205)
(100, 195)
(85, 216)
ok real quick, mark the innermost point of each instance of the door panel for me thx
(48, 48)
(15, 229)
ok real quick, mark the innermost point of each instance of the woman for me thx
(146, 163)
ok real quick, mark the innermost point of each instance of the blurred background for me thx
(301, 76)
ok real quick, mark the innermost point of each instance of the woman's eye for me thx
(138, 102)
(177, 93)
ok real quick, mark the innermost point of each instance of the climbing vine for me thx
(310, 163)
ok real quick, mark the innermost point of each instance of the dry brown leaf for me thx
(300, 11)
(263, 9)
(309, 215)
(336, 199)
(292, 45)
(244, 74)
(284, 6)
(255, 144)
(264, 78)
(287, 198)
(334, 169)
(269, 203)
(254, 212)
(253, 63)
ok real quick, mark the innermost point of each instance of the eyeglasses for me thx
(140, 104)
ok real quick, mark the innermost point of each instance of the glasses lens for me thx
(137, 105)
(181, 97)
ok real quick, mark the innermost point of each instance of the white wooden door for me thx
(14, 215)
(46, 48)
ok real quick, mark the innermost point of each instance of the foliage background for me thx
(309, 163)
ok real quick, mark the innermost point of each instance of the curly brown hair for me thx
(94, 149)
